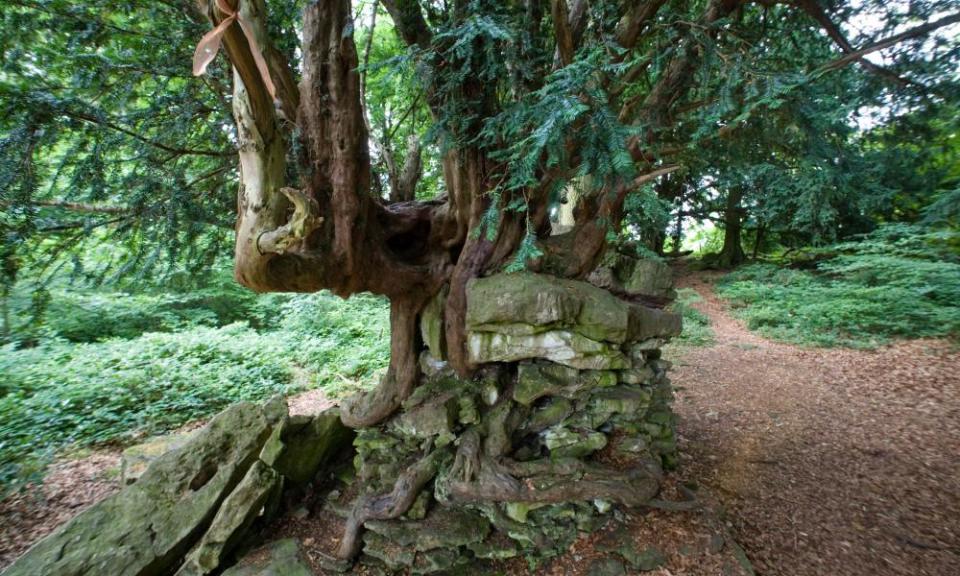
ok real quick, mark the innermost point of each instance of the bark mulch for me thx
(828, 461)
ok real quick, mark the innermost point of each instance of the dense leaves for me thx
(61, 394)
(895, 283)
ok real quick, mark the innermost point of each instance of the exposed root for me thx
(371, 408)
(553, 484)
(304, 220)
(387, 506)
(466, 464)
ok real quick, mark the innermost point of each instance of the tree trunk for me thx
(503, 391)
(758, 241)
(732, 253)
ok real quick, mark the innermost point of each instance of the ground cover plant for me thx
(696, 324)
(60, 394)
(898, 282)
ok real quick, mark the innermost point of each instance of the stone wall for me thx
(568, 417)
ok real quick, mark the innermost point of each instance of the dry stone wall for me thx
(568, 417)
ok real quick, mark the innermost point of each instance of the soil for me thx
(828, 461)
(816, 461)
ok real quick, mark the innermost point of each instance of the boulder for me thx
(280, 558)
(148, 527)
(195, 503)
(237, 513)
(135, 459)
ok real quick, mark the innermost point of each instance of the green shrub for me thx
(62, 394)
(899, 282)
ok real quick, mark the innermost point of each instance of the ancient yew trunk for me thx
(519, 405)
(502, 388)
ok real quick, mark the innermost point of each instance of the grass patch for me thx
(696, 324)
(896, 283)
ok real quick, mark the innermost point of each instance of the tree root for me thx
(548, 482)
(387, 506)
(371, 408)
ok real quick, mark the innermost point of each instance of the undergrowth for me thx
(696, 324)
(62, 394)
(898, 282)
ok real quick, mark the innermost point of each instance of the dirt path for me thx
(829, 462)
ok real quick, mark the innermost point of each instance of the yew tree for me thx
(527, 99)
(532, 104)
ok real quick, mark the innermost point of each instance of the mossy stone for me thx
(279, 558)
(148, 527)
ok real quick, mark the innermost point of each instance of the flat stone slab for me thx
(279, 558)
(136, 459)
(148, 527)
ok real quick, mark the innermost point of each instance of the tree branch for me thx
(812, 8)
(915, 32)
(159, 145)
(408, 18)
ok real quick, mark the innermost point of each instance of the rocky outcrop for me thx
(193, 505)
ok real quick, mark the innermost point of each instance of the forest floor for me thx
(827, 461)
(817, 461)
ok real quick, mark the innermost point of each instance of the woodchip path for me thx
(828, 462)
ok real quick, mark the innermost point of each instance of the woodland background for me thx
(835, 208)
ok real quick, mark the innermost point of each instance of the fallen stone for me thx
(307, 445)
(237, 513)
(148, 527)
(280, 558)
(136, 459)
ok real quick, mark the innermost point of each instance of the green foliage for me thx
(896, 283)
(89, 316)
(696, 324)
(60, 394)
